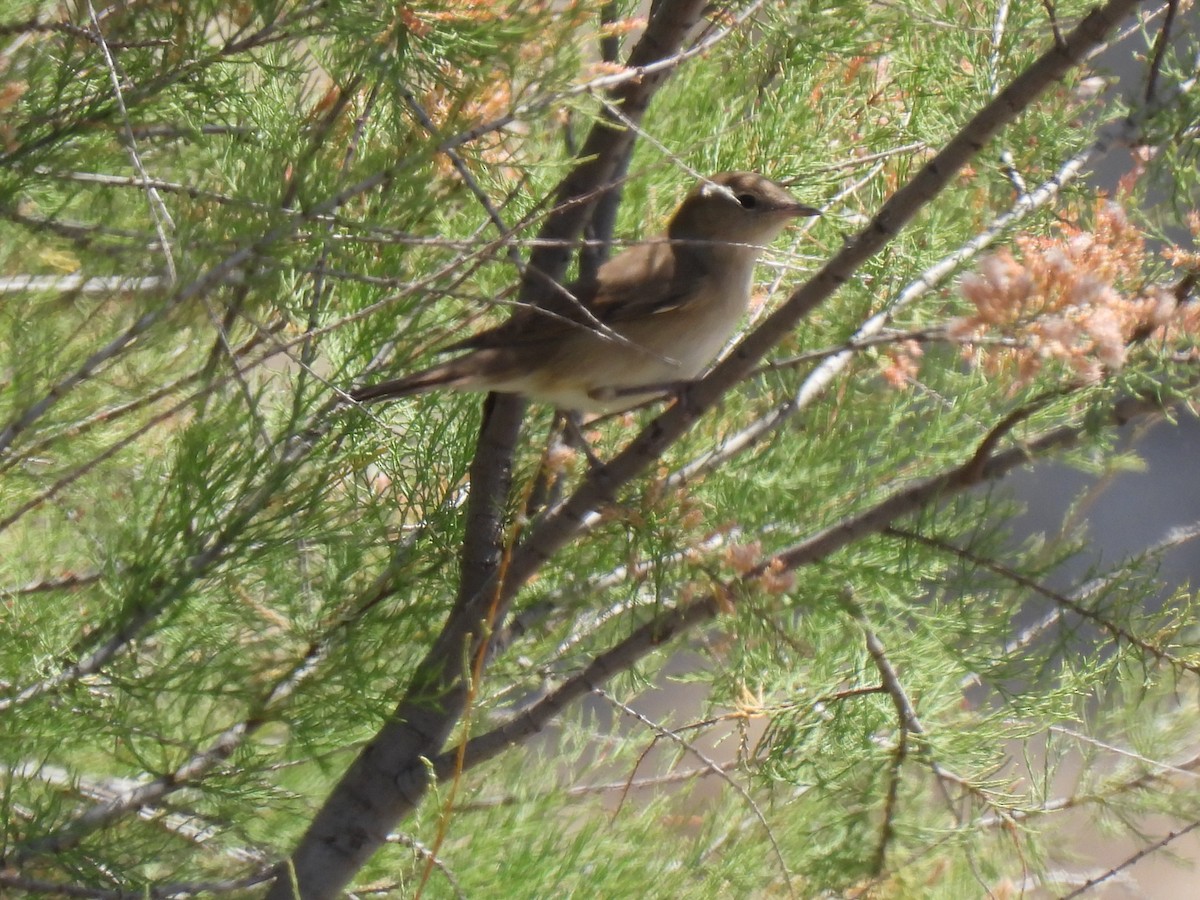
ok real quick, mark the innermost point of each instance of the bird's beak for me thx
(800, 211)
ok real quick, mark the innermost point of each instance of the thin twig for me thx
(609, 787)
(112, 414)
(117, 446)
(999, 25)
(910, 725)
(711, 766)
(823, 376)
(1160, 51)
(158, 209)
(1157, 780)
(1132, 860)
(1064, 601)
(685, 617)
(431, 858)
(79, 284)
(320, 288)
(180, 824)
(42, 888)
(70, 581)
(201, 763)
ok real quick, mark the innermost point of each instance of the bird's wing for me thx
(644, 281)
(641, 282)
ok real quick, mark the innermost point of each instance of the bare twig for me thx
(672, 622)
(1070, 603)
(66, 582)
(999, 25)
(78, 284)
(430, 857)
(40, 887)
(117, 446)
(1117, 134)
(158, 209)
(1160, 50)
(712, 766)
(1132, 860)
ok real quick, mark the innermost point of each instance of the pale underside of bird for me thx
(654, 316)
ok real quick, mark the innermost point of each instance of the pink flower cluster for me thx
(1077, 298)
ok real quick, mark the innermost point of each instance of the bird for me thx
(652, 317)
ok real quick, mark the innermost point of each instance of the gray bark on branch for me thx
(389, 777)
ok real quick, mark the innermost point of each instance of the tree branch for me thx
(388, 778)
(671, 623)
(565, 522)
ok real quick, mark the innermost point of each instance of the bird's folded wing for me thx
(642, 282)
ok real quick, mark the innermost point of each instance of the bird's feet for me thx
(573, 431)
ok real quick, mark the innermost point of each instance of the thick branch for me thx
(388, 778)
(672, 623)
(562, 525)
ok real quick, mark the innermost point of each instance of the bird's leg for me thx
(546, 489)
(573, 431)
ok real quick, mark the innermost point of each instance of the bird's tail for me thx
(447, 375)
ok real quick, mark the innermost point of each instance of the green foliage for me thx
(218, 581)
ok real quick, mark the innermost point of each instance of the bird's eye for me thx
(747, 201)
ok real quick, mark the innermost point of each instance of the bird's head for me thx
(735, 208)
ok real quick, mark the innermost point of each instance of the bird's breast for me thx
(704, 325)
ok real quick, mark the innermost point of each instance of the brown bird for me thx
(665, 309)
